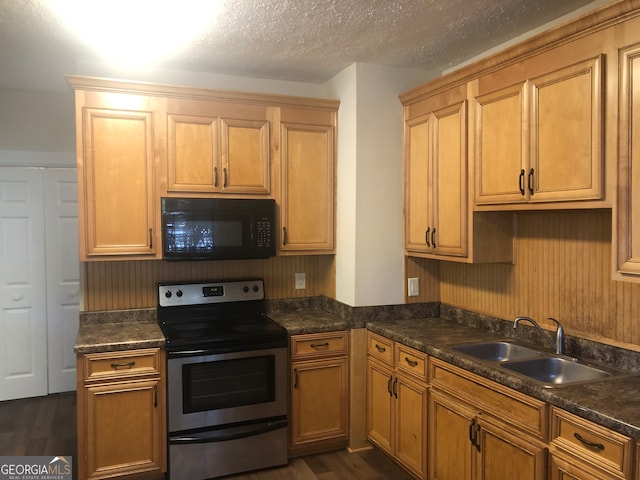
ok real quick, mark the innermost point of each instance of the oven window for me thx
(228, 383)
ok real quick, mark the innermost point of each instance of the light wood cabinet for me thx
(210, 151)
(121, 414)
(583, 450)
(438, 222)
(479, 429)
(436, 179)
(540, 140)
(397, 402)
(626, 236)
(116, 158)
(319, 392)
(307, 208)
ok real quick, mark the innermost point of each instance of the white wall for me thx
(369, 261)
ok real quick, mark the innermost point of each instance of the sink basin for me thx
(498, 351)
(555, 371)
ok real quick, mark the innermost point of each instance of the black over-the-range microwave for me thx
(217, 228)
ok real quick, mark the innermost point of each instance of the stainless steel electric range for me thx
(226, 379)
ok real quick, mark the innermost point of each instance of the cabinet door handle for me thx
(215, 177)
(285, 238)
(295, 378)
(389, 385)
(319, 345)
(155, 396)
(588, 443)
(433, 237)
(380, 349)
(521, 182)
(426, 237)
(411, 363)
(395, 388)
(530, 181)
(151, 238)
(225, 175)
(123, 365)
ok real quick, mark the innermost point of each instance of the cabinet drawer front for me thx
(503, 403)
(319, 344)
(100, 366)
(591, 443)
(411, 361)
(380, 347)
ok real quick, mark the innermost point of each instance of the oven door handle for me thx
(227, 434)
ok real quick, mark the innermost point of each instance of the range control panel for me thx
(183, 294)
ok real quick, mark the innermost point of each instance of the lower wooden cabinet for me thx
(121, 415)
(319, 413)
(479, 429)
(583, 450)
(397, 402)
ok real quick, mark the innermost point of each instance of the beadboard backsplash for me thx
(562, 269)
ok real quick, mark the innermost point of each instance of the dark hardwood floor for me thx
(47, 426)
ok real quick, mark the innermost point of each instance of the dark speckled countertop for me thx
(612, 403)
(118, 330)
(430, 328)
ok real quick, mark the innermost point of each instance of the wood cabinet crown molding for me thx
(186, 92)
(599, 19)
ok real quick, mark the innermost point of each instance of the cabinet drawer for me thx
(411, 361)
(319, 345)
(591, 443)
(380, 347)
(129, 363)
(502, 403)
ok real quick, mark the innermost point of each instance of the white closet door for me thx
(23, 324)
(63, 286)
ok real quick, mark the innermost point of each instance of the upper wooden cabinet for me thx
(626, 244)
(540, 139)
(307, 178)
(208, 152)
(138, 142)
(436, 181)
(437, 216)
(116, 158)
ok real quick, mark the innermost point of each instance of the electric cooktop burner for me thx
(217, 315)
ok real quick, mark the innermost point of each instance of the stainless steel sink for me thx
(556, 371)
(498, 351)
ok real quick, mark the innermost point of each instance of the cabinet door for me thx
(245, 156)
(627, 233)
(500, 151)
(319, 400)
(380, 401)
(124, 429)
(562, 469)
(566, 134)
(504, 456)
(411, 424)
(116, 172)
(450, 449)
(449, 181)
(307, 217)
(417, 157)
(193, 154)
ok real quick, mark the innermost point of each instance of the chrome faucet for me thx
(558, 344)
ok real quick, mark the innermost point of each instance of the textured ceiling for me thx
(298, 40)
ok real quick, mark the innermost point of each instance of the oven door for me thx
(217, 389)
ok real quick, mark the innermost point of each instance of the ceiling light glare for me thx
(136, 33)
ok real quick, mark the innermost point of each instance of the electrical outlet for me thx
(413, 286)
(301, 281)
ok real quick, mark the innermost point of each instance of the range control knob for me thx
(179, 293)
(167, 294)
(255, 288)
(245, 289)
